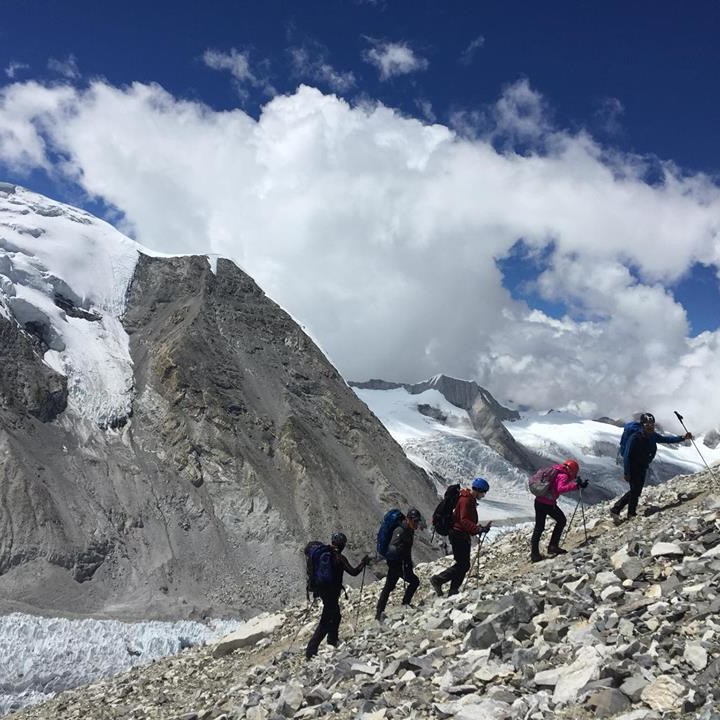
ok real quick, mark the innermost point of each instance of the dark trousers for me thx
(398, 569)
(632, 496)
(542, 511)
(461, 553)
(329, 624)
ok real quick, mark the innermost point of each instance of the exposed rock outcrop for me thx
(241, 443)
(27, 384)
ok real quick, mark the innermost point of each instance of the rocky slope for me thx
(624, 626)
(227, 442)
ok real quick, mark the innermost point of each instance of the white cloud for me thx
(14, 68)
(425, 107)
(468, 54)
(67, 68)
(313, 66)
(380, 234)
(393, 59)
(521, 112)
(609, 114)
(238, 65)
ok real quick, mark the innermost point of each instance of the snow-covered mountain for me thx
(169, 437)
(441, 437)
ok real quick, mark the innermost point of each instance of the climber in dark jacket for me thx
(399, 562)
(329, 624)
(639, 453)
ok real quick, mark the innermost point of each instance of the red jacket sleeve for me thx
(466, 519)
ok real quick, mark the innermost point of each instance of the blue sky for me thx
(657, 60)
(612, 103)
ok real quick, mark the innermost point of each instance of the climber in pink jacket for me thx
(564, 481)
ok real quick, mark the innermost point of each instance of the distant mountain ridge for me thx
(452, 430)
(167, 449)
(486, 413)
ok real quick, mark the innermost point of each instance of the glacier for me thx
(44, 656)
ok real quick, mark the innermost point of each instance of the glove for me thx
(688, 436)
(482, 529)
(582, 483)
(365, 561)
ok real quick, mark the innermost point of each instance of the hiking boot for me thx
(437, 586)
(536, 557)
(379, 616)
(615, 517)
(556, 550)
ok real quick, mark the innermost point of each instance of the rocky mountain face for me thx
(240, 441)
(624, 626)
(486, 414)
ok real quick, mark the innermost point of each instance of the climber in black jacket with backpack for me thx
(399, 561)
(639, 452)
(328, 587)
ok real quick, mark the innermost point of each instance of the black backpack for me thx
(443, 515)
(319, 567)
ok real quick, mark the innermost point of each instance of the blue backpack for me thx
(319, 567)
(392, 519)
(629, 429)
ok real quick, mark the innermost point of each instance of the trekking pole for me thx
(680, 418)
(582, 508)
(362, 585)
(569, 525)
(477, 560)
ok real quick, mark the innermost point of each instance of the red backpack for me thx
(541, 481)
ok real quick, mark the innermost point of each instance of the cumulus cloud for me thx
(14, 68)
(67, 68)
(238, 65)
(426, 109)
(311, 64)
(393, 59)
(468, 54)
(609, 115)
(382, 234)
(521, 113)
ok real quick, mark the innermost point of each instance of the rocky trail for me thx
(626, 625)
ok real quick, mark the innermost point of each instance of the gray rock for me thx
(482, 636)
(633, 687)
(607, 702)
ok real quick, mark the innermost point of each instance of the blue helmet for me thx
(480, 484)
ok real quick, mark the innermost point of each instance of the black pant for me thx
(632, 496)
(541, 513)
(398, 569)
(461, 553)
(329, 624)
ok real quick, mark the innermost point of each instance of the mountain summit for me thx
(169, 436)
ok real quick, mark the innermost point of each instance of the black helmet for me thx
(647, 419)
(414, 514)
(339, 540)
